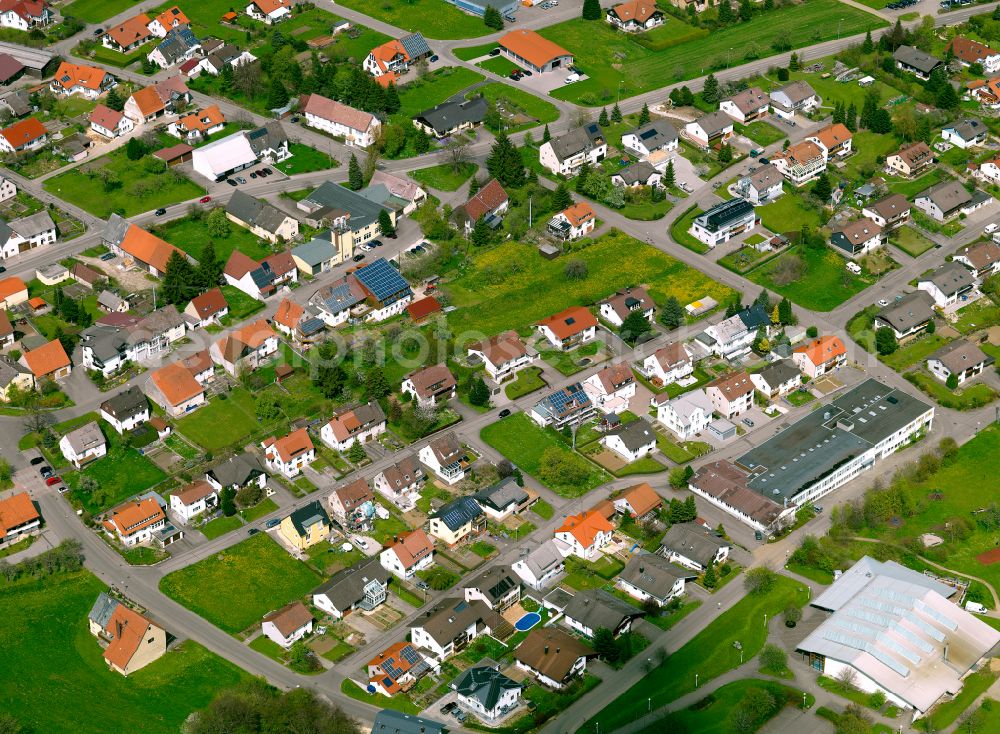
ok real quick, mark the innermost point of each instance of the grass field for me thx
(474, 52)
(499, 65)
(305, 159)
(944, 714)
(96, 11)
(982, 314)
(527, 380)
(610, 58)
(511, 286)
(518, 102)
(444, 177)
(910, 241)
(220, 526)
(258, 576)
(762, 133)
(788, 213)
(679, 231)
(137, 190)
(968, 397)
(241, 305)
(236, 413)
(521, 440)
(121, 474)
(63, 673)
(435, 88)
(913, 351)
(709, 654)
(431, 17)
(824, 284)
(191, 235)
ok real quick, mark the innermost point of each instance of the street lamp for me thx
(695, 680)
(841, 20)
(804, 701)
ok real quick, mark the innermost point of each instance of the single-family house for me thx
(570, 328)
(694, 546)
(746, 106)
(503, 355)
(217, 55)
(585, 534)
(362, 424)
(175, 389)
(411, 552)
(445, 457)
(402, 188)
(362, 586)
(137, 247)
(615, 309)
(13, 292)
(459, 519)
(126, 411)
(452, 117)
(914, 61)
(634, 16)
(656, 136)
(23, 135)
(260, 279)
(163, 97)
(820, 356)
(430, 385)
(134, 522)
(948, 284)
(642, 173)
(611, 387)
(269, 11)
(400, 482)
(565, 153)
(594, 609)
(236, 472)
(639, 501)
(288, 625)
(858, 238)
(110, 123)
(982, 258)
(168, 20)
(540, 566)
(552, 656)
(687, 415)
(246, 349)
(573, 222)
(207, 308)
(961, 358)
(836, 138)
(89, 82)
(374, 292)
(84, 444)
(971, 52)
(568, 406)
(649, 577)
(489, 203)
(530, 50)
(306, 526)
(396, 670)
(262, 218)
(888, 213)
(27, 233)
(966, 133)
(131, 641)
(668, 364)
(128, 35)
(802, 162)
(502, 499)
(762, 185)
(353, 505)
(451, 624)
(19, 519)
(195, 499)
(179, 45)
(486, 692)
(911, 160)
(393, 58)
(711, 130)
(48, 361)
(794, 97)
(908, 314)
(198, 125)
(723, 221)
(289, 454)
(498, 587)
(340, 120)
(731, 394)
(777, 379)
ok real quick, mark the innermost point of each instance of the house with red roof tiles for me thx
(89, 82)
(25, 14)
(335, 118)
(27, 134)
(489, 203)
(635, 16)
(570, 328)
(820, 356)
(362, 424)
(408, 554)
(573, 222)
(245, 349)
(128, 35)
(585, 534)
(289, 454)
(175, 389)
(269, 11)
(110, 123)
(130, 641)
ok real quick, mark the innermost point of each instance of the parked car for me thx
(764, 161)
(253, 174)
(37, 460)
(817, 508)
(295, 118)
(448, 708)
(3, 268)
(495, 52)
(421, 584)
(433, 58)
(527, 72)
(574, 77)
(240, 179)
(360, 542)
(272, 523)
(366, 247)
(990, 228)
(98, 31)
(108, 256)
(230, 182)
(505, 412)
(754, 153)
(53, 480)
(748, 423)
(359, 257)
(883, 302)
(266, 171)
(757, 535)
(252, 531)
(204, 199)
(160, 212)
(46, 471)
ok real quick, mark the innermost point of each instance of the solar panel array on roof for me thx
(415, 45)
(409, 655)
(383, 281)
(646, 135)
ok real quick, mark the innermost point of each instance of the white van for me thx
(990, 228)
(854, 268)
(975, 607)
(574, 77)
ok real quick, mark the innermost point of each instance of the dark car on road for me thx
(505, 412)
(160, 212)
(46, 471)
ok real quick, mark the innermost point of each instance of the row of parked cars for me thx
(902, 4)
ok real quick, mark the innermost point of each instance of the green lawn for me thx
(914, 350)
(789, 212)
(709, 654)
(510, 286)
(499, 65)
(444, 177)
(521, 109)
(645, 465)
(944, 714)
(191, 235)
(236, 413)
(436, 87)
(97, 11)
(711, 714)
(867, 147)
(238, 586)
(910, 188)
(122, 473)
(982, 314)
(824, 282)
(220, 526)
(543, 509)
(241, 306)
(571, 362)
(968, 397)
(679, 231)
(432, 18)
(610, 58)
(468, 53)
(264, 507)
(528, 380)
(762, 133)
(521, 440)
(305, 159)
(396, 703)
(47, 679)
(104, 55)
(910, 241)
(137, 190)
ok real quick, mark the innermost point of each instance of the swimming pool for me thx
(528, 621)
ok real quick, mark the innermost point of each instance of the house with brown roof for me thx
(888, 213)
(573, 222)
(25, 15)
(796, 96)
(615, 309)
(261, 279)
(269, 11)
(198, 125)
(156, 100)
(970, 52)
(289, 454)
(10, 69)
(137, 247)
(858, 238)
(400, 482)
(910, 160)
(360, 424)
(27, 134)
(554, 657)
(802, 162)
(532, 51)
(128, 34)
(451, 624)
(89, 82)
(6, 335)
(634, 16)
(193, 500)
(175, 389)
(245, 349)
(19, 518)
(820, 356)
(982, 258)
(430, 385)
(503, 355)
(731, 394)
(836, 138)
(348, 503)
(13, 292)
(86, 275)
(668, 364)
(48, 361)
(724, 485)
(961, 358)
(489, 203)
(408, 554)
(335, 118)
(639, 501)
(446, 457)
(585, 534)
(288, 624)
(570, 328)
(746, 106)
(134, 522)
(611, 387)
(130, 640)
(206, 308)
(393, 58)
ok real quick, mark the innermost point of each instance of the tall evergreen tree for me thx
(178, 285)
(710, 92)
(867, 46)
(785, 314)
(385, 223)
(210, 266)
(392, 103)
(838, 113)
(277, 96)
(591, 10)
(822, 188)
(227, 77)
(725, 13)
(546, 135)
(474, 186)
(505, 163)
(492, 18)
(746, 10)
(582, 176)
(669, 175)
(480, 233)
(616, 113)
(561, 198)
(644, 115)
(793, 62)
(355, 178)
(947, 99)
(114, 101)
(851, 118)
(603, 119)
(672, 314)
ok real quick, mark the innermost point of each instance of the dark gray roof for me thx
(693, 541)
(951, 278)
(655, 134)
(458, 512)
(449, 115)
(269, 137)
(102, 610)
(754, 317)
(126, 404)
(17, 101)
(909, 311)
(308, 515)
(501, 495)
(451, 617)
(948, 196)
(724, 213)
(334, 196)
(916, 59)
(9, 370)
(388, 721)
(495, 582)
(255, 212)
(819, 442)
(636, 173)
(968, 129)
(653, 574)
(415, 45)
(236, 470)
(177, 43)
(636, 434)
(577, 141)
(596, 608)
(778, 372)
(347, 587)
(484, 684)
(115, 230)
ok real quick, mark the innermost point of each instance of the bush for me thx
(759, 580)
(773, 658)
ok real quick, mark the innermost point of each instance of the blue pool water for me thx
(528, 621)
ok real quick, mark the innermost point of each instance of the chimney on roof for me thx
(546, 650)
(557, 650)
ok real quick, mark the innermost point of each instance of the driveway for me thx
(545, 82)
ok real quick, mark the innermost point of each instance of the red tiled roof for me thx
(328, 109)
(822, 350)
(132, 30)
(585, 526)
(77, 75)
(569, 322)
(106, 117)
(288, 313)
(176, 383)
(420, 310)
(579, 213)
(532, 47)
(15, 511)
(47, 359)
(638, 10)
(488, 198)
(23, 132)
(209, 303)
